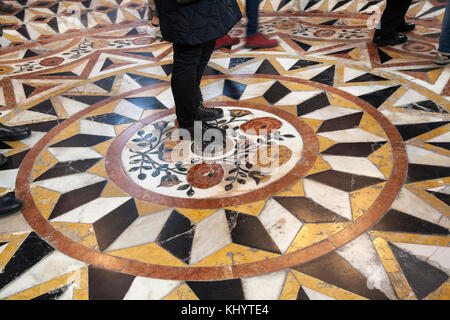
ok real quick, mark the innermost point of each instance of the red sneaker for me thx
(260, 41)
(226, 41)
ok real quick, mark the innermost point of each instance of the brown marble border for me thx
(67, 246)
(118, 175)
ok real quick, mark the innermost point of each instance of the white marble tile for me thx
(150, 289)
(441, 138)
(28, 116)
(280, 224)
(356, 165)
(314, 295)
(364, 89)
(128, 109)
(96, 128)
(287, 63)
(426, 157)
(154, 71)
(264, 287)
(143, 230)
(411, 204)
(69, 183)
(67, 295)
(351, 135)
(8, 178)
(329, 112)
(442, 189)
(128, 84)
(33, 139)
(166, 98)
(92, 211)
(222, 62)
(255, 90)
(72, 106)
(361, 254)
(350, 73)
(3, 247)
(410, 96)
(73, 154)
(336, 200)
(53, 266)
(14, 223)
(211, 235)
(407, 116)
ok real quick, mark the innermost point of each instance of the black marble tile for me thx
(62, 74)
(428, 106)
(304, 46)
(233, 89)
(377, 98)
(301, 295)
(81, 140)
(217, 290)
(329, 22)
(421, 276)
(32, 250)
(420, 172)
(303, 64)
(106, 83)
(396, 221)
(384, 57)
(142, 54)
(343, 180)
(341, 123)
(353, 149)
(76, 198)
(335, 270)
(276, 92)
(177, 235)
(311, 3)
(248, 231)
(108, 285)
(315, 103)
(445, 198)
(111, 118)
(325, 77)
(443, 145)
(108, 62)
(109, 227)
(340, 4)
(147, 103)
(44, 107)
(237, 61)
(89, 100)
(366, 78)
(52, 295)
(266, 68)
(68, 168)
(409, 131)
(308, 211)
(143, 80)
(14, 161)
(168, 68)
(45, 126)
(5, 146)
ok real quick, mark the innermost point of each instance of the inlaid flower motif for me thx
(52, 62)
(172, 150)
(169, 180)
(261, 126)
(238, 113)
(100, 44)
(205, 175)
(324, 33)
(273, 156)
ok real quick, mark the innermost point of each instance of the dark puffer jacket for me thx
(198, 22)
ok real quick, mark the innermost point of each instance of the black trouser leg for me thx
(186, 62)
(207, 51)
(394, 15)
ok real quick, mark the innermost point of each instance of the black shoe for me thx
(2, 159)
(9, 204)
(203, 113)
(406, 27)
(12, 134)
(392, 39)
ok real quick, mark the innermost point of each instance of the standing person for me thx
(193, 30)
(153, 20)
(444, 41)
(254, 39)
(393, 23)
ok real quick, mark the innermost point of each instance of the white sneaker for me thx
(443, 58)
(151, 29)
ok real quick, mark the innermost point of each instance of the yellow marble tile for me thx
(337, 100)
(121, 128)
(234, 254)
(294, 191)
(383, 159)
(68, 132)
(45, 200)
(440, 241)
(81, 233)
(99, 169)
(149, 253)
(362, 199)
(43, 162)
(325, 143)
(14, 242)
(107, 108)
(196, 215)
(103, 147)
(434, 133)
(370, 125)
(111, 190)
(183, 292)
(442, 293)
(81, 289)
(319, 166)
(290, 288)
(393, 270)
(290, 109)
(253, 208)
(311, 233)
(430, 199)
(325, 288)
(313, 123)
(144, 207)
(294, 86)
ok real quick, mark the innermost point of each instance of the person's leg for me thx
(186, 60)
(444, 41)
(390, 23)
(252, 12)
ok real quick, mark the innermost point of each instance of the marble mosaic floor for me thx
(355, 208)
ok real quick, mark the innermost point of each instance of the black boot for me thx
(406, 27)
(391, 39)
(203, 113)
(12, 134)
(2, 159)
(9, 204)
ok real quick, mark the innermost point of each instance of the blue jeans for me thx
(444, 41)
(252, 12)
